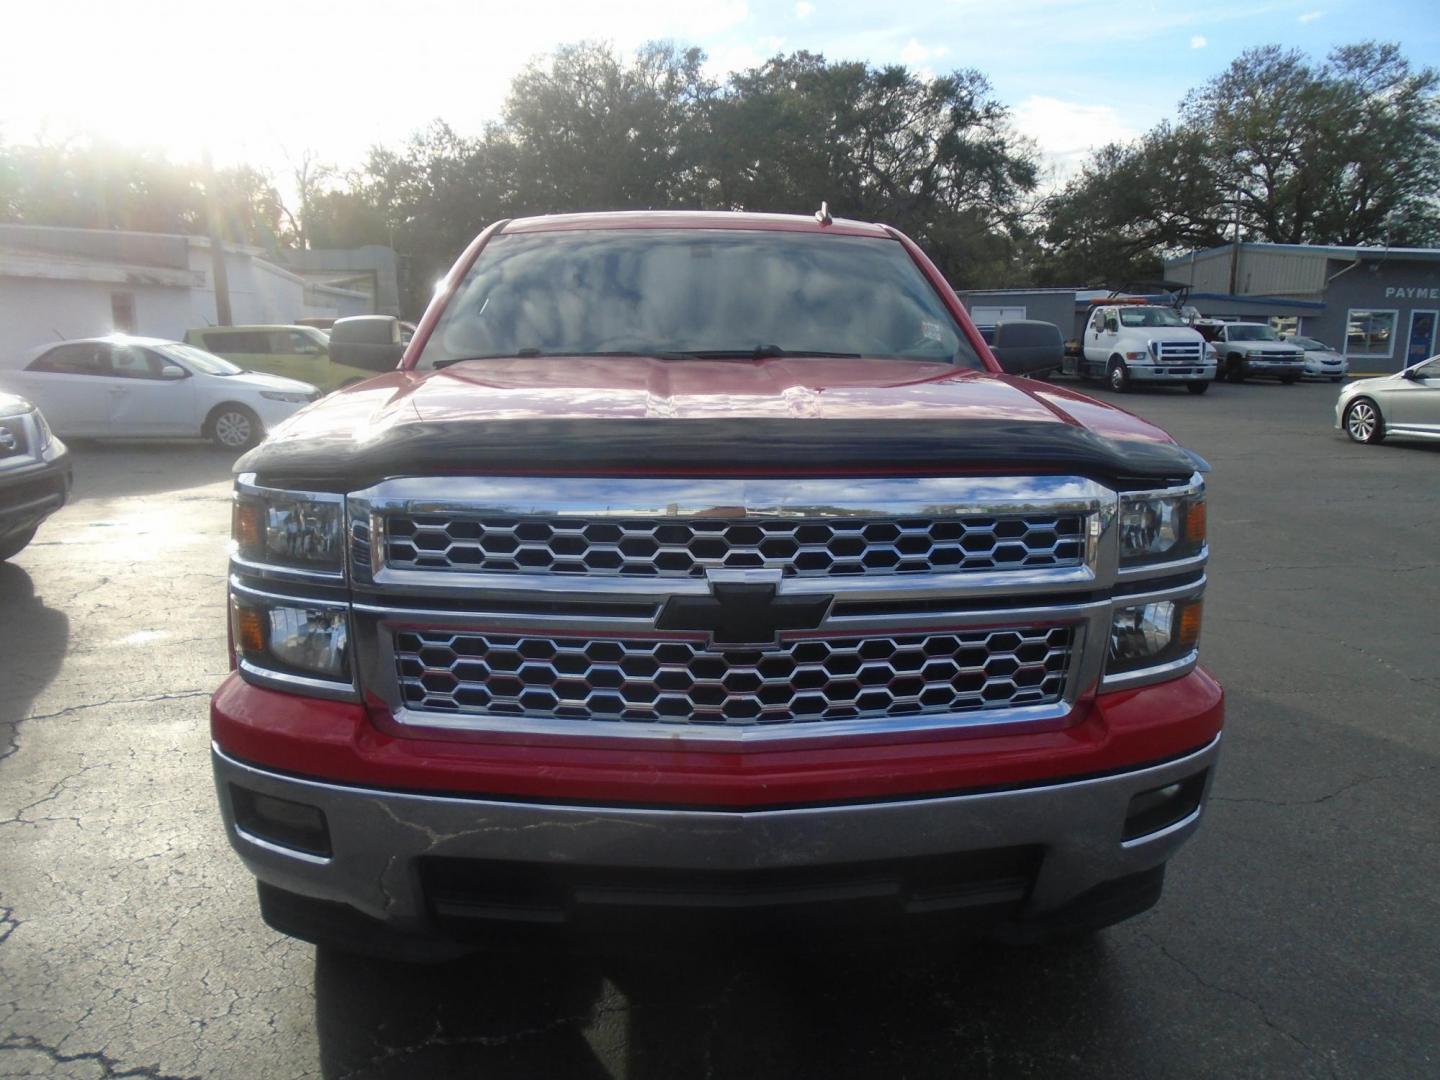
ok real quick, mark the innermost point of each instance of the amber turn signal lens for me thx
(249, 631)
(1190, 625)
(1195, 522)
(245, 525)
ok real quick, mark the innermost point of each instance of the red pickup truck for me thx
(708, 569)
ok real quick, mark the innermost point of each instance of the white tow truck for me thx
(1125, 342)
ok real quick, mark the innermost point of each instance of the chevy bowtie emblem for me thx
(743, 613)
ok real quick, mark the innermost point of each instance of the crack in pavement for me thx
(1218, 989)
(105, 1061)
(1341, 790)
(13, 726)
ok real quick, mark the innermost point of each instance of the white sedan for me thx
(1321, 361)
(133, 386)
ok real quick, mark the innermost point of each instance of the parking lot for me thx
(1298, 935)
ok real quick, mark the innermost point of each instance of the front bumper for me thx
(31, 493)
(381, 843)
(1143, 372)
(1257, 366)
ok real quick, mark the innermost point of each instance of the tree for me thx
(1345, 152)
(935, 157)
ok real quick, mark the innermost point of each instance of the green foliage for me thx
(97, 185)
(1275, 149)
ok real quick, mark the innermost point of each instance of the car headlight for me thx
(292, 638)
(43, 433)
(288, 528)
(1161, 526)
(1137, 356)
(1152, 634)
(294, 397)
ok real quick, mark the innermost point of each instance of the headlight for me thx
(1161, 526)
(1137, 356)
(294, 397)
(1153, 634)
(289, 529)
(45, 435)
(292, 638)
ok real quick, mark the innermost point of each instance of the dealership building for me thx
(1380, 306)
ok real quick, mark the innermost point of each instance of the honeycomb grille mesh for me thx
(683, 681)
(659, 547)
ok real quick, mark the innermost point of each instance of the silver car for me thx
(1321, 361)
(1407, 404)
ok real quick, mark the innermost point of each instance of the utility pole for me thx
(1235, 247)
(219, 275)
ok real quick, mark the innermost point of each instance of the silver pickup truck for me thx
(1253, 349)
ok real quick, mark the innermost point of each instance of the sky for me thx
(265, 81)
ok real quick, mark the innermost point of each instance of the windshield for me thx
(200, 360)
(1247, 332)
(1150, 316)
(682, 292)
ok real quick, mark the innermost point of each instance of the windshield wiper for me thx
(758, 352)
(765, 352)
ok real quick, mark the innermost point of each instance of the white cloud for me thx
(1066, 131)
(804, 9)
(915, 54)
(1311, 16)
(1198, 41)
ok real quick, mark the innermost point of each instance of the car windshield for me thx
(1309, 344)
(1246, 332)
(1150, 316)
(200, 360)
(695, 293)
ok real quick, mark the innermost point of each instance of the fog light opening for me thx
(1159, 808)
(294, 825)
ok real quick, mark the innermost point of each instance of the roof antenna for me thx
(823, 214)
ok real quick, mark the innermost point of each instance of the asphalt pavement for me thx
(1299, 935)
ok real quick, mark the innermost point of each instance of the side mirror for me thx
(170, 372)
(370, 342)
(1111, 326)
(1027, 347)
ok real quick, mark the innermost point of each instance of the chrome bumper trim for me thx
(377, 836)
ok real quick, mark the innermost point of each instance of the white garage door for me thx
(989, 316)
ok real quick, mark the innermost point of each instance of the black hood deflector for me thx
(745, 445)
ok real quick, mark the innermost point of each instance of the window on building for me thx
(1284, 325)
(122, 312)
(1370, 333)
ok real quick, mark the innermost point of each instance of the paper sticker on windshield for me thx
(932, 330)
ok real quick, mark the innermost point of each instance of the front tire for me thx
(1235, 369)
(1289, 380)
(1363, 422)
(1198, 387)
(234, 427)
(1118, 376)
(13, 545)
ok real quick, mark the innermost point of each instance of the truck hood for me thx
(635, 415)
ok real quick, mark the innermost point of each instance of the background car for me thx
(34, 473)
(1405, 404)
(131, 386)
(294, 352)
(1321, 361)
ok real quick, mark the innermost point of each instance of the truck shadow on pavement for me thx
(740, 1013)
(32, 648)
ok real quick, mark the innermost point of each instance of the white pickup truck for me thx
(1125, 343)
(1251, 349)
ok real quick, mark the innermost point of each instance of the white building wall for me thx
(260, 292)
(34, 311)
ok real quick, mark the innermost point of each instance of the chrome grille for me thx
(688, 682)
(1179, 352)
(660, 547)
